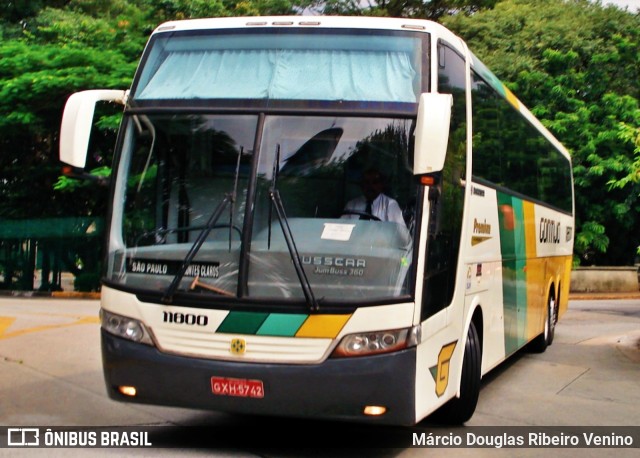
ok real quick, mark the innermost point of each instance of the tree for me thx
(575, 65)
(48, 50)
(434, 9)
(16, 11)
(56, 54)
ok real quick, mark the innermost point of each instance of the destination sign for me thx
(172, 267)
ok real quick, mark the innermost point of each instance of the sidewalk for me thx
(51, 375)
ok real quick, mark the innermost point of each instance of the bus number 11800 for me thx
(185, 318)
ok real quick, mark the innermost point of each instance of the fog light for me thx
(374, 411)
(128, 390)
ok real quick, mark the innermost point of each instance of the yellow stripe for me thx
(81, 320)
(5, 323)
(327, 326)
(513, 100)
(530, 229)
(536, 297)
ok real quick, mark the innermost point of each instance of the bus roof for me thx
(347, 22)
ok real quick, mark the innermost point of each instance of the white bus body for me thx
(235, 282)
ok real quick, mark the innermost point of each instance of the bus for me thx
(239, 278)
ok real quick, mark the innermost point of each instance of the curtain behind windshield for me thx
(284, 74)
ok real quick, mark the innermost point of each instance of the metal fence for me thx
(51, 254)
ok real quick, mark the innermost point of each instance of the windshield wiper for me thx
(276, 201)
(167, 298)
(234, 193)
(230, 197)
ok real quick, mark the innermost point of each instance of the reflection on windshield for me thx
(175, 175)
(177, 171)
(322, 166)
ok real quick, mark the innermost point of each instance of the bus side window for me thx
(445, 220)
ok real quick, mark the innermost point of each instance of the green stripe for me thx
(514, 276)
(242, 322)
(281, 324)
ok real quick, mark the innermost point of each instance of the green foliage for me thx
(36, 79)
(76, 31)
(591, 237)
(575, 64)
(70, 184)
(52, 48)
(14, 11)
(433, 9)
(87, 282)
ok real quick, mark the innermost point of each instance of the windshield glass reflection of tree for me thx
(180, 169)
(320, 165)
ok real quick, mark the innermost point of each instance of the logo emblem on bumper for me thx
(238, 346)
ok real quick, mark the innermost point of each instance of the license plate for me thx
(244, 388)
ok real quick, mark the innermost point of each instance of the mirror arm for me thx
(82, 174)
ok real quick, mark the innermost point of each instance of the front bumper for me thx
(336, 389)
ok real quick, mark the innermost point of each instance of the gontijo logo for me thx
(440, 371)
(549, 231)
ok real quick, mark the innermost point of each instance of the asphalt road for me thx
(50, 375)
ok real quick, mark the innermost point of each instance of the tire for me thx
(459, 410)
(540, 343)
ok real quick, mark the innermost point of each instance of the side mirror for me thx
(432, 132)
(77, 120)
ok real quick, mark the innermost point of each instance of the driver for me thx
(373, 202)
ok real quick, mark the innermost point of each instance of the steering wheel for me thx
(360, 213)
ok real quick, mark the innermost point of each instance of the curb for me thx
(595, 296)
(74, 295)
(51, 294)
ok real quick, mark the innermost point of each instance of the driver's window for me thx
(323, 163)
(374, 201)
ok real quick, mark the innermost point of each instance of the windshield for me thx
(184, 192)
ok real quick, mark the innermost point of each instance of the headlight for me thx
(371, 343)
(124, 327)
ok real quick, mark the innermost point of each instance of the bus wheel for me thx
(540, 343)
(459, 410)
